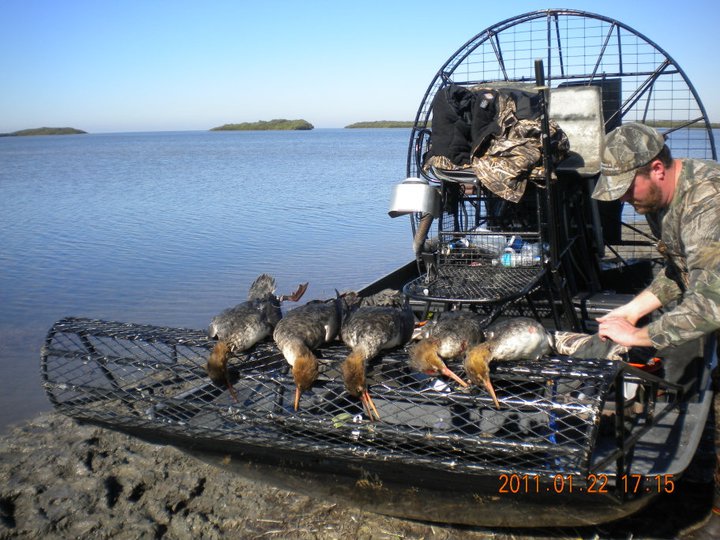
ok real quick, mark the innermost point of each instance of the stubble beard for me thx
(651, 204)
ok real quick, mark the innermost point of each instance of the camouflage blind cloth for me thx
(497, 133)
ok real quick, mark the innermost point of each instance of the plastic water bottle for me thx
(487, 240)
(510, 257)
(530, 254)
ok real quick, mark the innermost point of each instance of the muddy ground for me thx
(62, 479)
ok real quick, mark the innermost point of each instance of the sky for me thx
(167, 65)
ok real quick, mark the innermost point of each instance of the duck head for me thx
(424, 357)
(353, 371)
(477, 367)
(217, 366)
(305, 373)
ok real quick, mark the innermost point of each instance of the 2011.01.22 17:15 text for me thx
(592, 484)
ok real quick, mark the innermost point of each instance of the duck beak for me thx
(449, 373)
(297, 398)
(230, 388)
(491, 391)
(369, 406)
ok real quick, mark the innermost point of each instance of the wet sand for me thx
(62, 479)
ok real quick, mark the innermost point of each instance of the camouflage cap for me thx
(626, 149)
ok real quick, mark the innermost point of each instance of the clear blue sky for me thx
(155, 65)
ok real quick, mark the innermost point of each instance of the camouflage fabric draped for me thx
(513, 156)
(588, 346)
(691, 240)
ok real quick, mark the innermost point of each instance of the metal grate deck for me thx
(138, 376)
(476, 284)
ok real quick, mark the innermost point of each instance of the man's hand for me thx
(636, 309)
(619, 330)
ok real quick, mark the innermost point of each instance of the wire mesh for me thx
(466, 283)
(640, 81)
(138, 376)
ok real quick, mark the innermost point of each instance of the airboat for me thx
(576, 440)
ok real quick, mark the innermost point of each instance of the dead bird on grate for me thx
(304, 329)
(446, 337)
(512, 339)
(239, 328)
(383, 321)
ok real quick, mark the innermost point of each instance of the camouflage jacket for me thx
(691, 242)
(505, 153)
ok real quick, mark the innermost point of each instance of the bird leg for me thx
(369, 406)
(297, 295)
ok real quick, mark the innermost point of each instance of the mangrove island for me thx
(45, 131)
(281, 124)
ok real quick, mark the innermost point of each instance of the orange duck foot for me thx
(297, 295)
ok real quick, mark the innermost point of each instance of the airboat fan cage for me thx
(640, 81)
(567, 54)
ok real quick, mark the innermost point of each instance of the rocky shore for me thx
(62, 479)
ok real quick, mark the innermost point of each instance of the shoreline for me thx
(64, 479)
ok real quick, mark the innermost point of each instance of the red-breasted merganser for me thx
(511, 339)
(446, 337)
(383, 321)
(240, 327)
(303, 330)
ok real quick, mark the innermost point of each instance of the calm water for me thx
(171, 228)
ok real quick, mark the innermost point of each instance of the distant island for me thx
(264, 126)
(45, 131)
(381, 124)
(676, 123)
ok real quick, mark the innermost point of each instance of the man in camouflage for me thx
(681, 198)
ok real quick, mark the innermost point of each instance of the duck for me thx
(446, 337)
(383, 321)
(520, 338)
(303, 329)
(240, 327)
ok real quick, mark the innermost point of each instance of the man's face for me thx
(644, 195)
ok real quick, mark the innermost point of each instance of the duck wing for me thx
(242, 326)
(314, 323)
(519, 338)
(373, 328)
(456, 331)
(222, 324)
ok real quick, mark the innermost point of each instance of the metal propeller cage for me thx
(640, 83)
